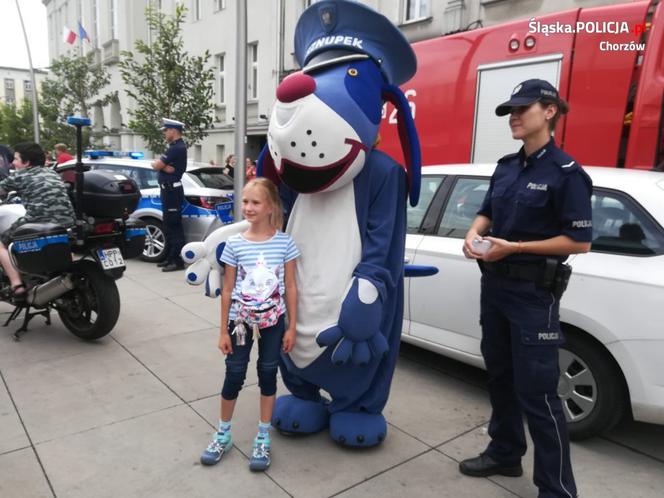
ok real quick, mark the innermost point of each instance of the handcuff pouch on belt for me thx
(257, 317)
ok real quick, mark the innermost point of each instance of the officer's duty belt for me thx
(171, 185)
(533, 272)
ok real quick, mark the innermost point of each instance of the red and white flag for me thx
(68, 36)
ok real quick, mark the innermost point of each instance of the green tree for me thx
(165, 81)
(76, 85)
(16, 123)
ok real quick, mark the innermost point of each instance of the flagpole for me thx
(80, 24)
(35, 110)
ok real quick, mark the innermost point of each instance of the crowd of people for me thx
(229, 166)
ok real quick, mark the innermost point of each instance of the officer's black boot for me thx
(163, 263)
(484, 466)
(173, 267)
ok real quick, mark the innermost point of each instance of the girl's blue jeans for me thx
(269, 348)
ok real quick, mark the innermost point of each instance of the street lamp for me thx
(35, 110)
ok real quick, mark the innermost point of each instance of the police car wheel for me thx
(155, 241)
(591, 387)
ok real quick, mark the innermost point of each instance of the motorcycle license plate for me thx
(110, 258)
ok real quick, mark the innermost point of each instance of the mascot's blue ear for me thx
(410, 143)
(265, 166)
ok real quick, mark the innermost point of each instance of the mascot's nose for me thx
(295, 86)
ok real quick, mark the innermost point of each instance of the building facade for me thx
(115, 25)
(16, 84)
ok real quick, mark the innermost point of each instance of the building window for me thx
(10, 92)
(27, 87)
(113, 19)
(221, 89)
(196, 7)
(219, 4)
(416, 9)
(253, 71)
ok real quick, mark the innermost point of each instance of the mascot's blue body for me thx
(345, 203)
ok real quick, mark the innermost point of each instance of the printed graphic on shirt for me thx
(260, 284)
(260, 271)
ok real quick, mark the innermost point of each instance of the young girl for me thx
(260, 272)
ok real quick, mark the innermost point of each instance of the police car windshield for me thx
(211, 178)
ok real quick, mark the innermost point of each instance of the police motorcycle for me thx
(74, 271)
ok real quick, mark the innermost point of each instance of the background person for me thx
(62, 155)
(260, 270)
(42, 193)
(6, 159)
(250, 169)
(229, 165)
(538, 210)
(171, 166)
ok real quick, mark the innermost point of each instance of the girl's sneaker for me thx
(260, 455)
(220, 445)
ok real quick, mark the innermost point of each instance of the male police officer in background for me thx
(171, 166)
(539, 212)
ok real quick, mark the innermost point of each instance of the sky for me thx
(12, 44)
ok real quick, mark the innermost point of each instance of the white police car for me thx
(612, 313)
(208, 196)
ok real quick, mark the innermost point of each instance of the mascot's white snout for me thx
(311, 138)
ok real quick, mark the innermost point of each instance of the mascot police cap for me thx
(353, 27)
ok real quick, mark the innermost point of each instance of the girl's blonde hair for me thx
(272, 195)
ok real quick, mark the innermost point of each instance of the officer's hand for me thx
(500, 248)
(468, 249)
(203, 258)
(225, 344)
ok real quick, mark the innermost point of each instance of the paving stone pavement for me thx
(128, 415)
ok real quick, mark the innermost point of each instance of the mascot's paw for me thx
(359, 353)
(358, 429)
(203, 258)
(357, 336)
(300, 416)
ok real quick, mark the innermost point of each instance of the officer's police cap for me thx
(528, 92)
(171, 123)
(348, 28)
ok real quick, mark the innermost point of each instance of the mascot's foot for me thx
(358, 429)
(293, 415)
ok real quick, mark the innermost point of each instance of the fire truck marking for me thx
(600, 27)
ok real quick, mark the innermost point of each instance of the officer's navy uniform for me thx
(530, 198)
(172, 199)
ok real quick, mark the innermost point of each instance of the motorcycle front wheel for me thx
(92, 308)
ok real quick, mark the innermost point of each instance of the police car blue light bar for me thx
(96, 154)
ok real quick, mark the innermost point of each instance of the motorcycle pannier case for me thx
(41, 248)
(132, 241)
(109, 195)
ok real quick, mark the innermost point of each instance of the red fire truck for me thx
(608, 63)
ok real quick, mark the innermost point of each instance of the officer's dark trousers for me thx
(520, 339)
(172, 199)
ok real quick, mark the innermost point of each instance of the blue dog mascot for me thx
(346, 208)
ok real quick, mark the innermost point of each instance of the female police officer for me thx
(538, 210)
